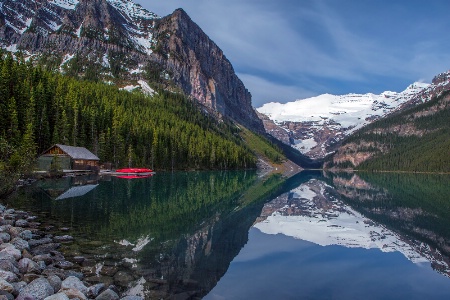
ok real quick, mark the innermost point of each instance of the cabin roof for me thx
(77, 152)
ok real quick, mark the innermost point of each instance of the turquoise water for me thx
(233, 235)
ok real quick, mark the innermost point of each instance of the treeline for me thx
(40, 108)
(424, 147)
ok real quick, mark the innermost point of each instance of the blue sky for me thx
(286, 50)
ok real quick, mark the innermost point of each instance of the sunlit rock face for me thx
(123, 43)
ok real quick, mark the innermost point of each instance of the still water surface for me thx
(233, 235)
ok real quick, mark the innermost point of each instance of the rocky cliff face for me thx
(199, 66)
(120, 42)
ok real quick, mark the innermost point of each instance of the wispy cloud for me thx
(287, 47)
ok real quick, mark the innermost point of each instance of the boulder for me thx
(55, 282)
(45, 248)
(108, 295)
(6, 286)
(59, 296)
(26, 265)
(72, 282)
(73, 294)
(123, 279)
(9, 265)
(26, 235)
(6, 296)
(20, 244)
(26, 297)
(10, 251)
(15, 231)
(132, 298)
(39, 288)
(8, 276)
(21, 223)
(18, 286)
(63, 238)
(95, 290)
(4, 237)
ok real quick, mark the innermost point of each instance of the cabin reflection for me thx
(68, 187)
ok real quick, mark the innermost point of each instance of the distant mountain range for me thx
(315, 212)
(120, 42)
(317, 125)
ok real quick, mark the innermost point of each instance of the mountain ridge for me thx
(316, 126)
(123, 43)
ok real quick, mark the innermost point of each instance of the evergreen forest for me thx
(415, 140)
(165, 131)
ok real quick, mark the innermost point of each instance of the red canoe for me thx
(134, 170)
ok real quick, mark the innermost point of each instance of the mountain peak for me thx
(119, 41)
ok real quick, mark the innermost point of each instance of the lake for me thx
(235, 235)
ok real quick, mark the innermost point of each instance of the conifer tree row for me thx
(39, 108)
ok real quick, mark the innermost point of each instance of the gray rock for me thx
(29, 277)
(9, 265)
(74, 294)
(4, 237)
(74, 274)
(95, 290)
(6, 286)
(47, 258)
(10, 251)
(26, 265)
(72, 282)
(64, 264)
(8, 276)
(45, 248)
(108, 270)
(2, 208)
(123, 279)
(6, 296)
(18, 286)
(26, 297)
(39, 288)
(34, 243)
(20, 244)
(132, 298)
(21, 223)
(59, 296)
(108, 295)
(63, 238)
(55, 282)
(10, 211)
(26, 235)
(15, 231)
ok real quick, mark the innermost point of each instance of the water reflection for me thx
(191, 234)
(372, 236)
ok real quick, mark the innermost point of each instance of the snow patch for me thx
(66, 4)
(304, 146)
(12, 48)
(78, 32)
(334, 223)
(141, 243)
(146, 88)
(132, 10)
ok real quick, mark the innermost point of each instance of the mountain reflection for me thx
(391, 212)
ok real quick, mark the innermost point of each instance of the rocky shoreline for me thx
(32, 268)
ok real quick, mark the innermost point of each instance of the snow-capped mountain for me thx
(120, 42)
(316, 124)
(313, 212)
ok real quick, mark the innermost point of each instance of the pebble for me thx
(31, 268)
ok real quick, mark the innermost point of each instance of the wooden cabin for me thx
(68, 158)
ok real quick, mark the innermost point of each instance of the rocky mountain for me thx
(316, 212)
(415, 139)
(120, 42)
(316, 125)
